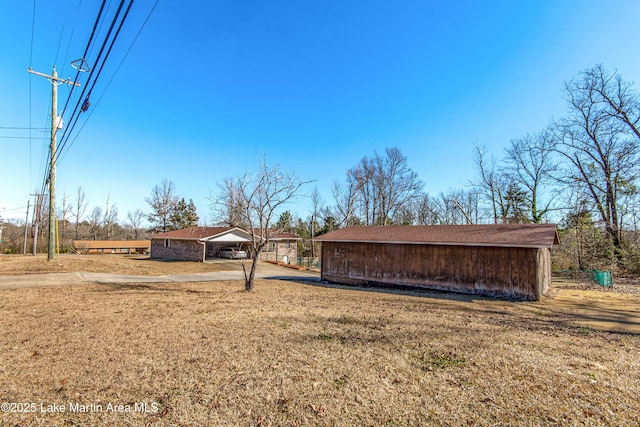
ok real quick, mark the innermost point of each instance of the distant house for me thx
(202, 243)
(112, 246)
(505, 260)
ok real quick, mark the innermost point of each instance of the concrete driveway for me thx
(264, 271)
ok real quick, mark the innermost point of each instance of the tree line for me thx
(580, 171)
(75, 222)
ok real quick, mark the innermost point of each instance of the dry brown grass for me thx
(295, 354)
(118, 264)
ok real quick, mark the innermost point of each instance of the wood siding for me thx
(519, 273)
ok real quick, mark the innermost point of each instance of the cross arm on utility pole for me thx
(54, 79)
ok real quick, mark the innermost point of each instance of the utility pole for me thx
(55, 81)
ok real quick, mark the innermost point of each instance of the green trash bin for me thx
(604, 278)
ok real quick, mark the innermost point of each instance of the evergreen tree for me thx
(285, 221)
(191, 218)
(184, 215)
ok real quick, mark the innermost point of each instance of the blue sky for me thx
(208, 86)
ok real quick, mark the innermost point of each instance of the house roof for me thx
(193, 233)
(511, 235)
(282, 235)
(206, 233)
(111, 244)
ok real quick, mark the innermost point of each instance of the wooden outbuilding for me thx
(112, 246)
(502, 260)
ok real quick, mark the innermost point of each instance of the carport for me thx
(196, 243)
(234, 238)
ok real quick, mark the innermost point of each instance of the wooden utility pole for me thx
(55, 121)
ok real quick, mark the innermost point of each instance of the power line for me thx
(76, 113)
(66, 54)
(55, 61)
(44, 158)
(113, 76)
(66, 141)
(33, 28)
(19, 208)
(22, 128)
(86, 49)
(93, 31)
(14, 137)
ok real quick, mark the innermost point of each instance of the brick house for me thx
(202, 243)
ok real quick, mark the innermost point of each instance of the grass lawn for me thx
(297, 354)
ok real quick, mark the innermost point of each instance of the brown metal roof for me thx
(283, 235)
(192, 233)
(196, 233)
(514, 235)
(111, 244)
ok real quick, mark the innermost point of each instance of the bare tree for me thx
(110, 218)
(231, 213)
(621, 99)
(65, 213)
(80, 208)
(383, 184)
(316, 208)
(468, 203)
(260, 196)
(446, 210)
(490, 183)
(600, 144)
(454, 207)
(345, 202)
(531, 165)
(135, 221)
(95, 223)
(361, 178)
(406, 214)
(162, 201)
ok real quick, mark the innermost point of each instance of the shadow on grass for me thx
(151, 288)
(545, 316)
(397, 290)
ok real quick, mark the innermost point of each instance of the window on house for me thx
(167, 243)
(271, 247)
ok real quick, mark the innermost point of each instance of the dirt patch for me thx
(615, 309)
(295, 354)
